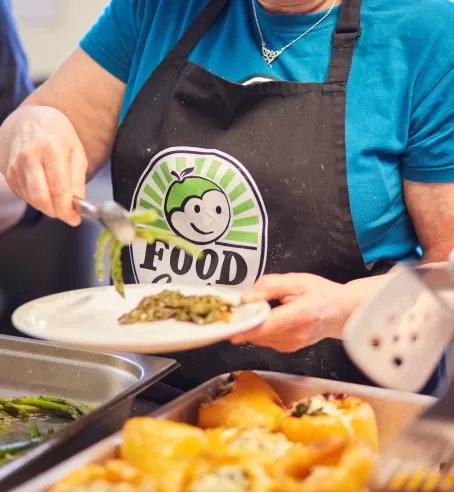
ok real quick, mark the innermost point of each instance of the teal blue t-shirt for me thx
(400, 95)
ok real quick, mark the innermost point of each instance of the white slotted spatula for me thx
(398, 337)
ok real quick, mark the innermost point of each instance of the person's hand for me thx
(311, 308)
(44, 161)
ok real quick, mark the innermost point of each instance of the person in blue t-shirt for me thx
(305, 146)
(15, 83)
(15, 86)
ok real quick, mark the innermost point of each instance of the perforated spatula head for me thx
(398, 337)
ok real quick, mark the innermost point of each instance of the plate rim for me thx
(132, 346)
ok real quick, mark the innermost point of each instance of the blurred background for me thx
(50, 257)
(51, 29)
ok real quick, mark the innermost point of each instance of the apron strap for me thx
(199, 27)
(348, 30)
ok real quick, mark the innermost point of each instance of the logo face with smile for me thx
(204, 215)
(208, 198)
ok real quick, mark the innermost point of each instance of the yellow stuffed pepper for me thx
(244, 401)
(298, 463)
(227, 474)
(113, 475)
(163, 449)
(146, 439)
(172, 475)
(255, 444)
(305, 473)
(320, 417)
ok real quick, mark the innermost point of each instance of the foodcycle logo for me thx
(208, 198)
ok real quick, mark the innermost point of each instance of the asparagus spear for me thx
(10, 409)
(16, 448)
(11, 450)
(140, 218)
(26, 406)
(101, 246)
(82, 407)
(144, 216)
(16, 409)
(34, 432)
(116, 270)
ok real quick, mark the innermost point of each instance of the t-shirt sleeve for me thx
(429, 157)
(112, 41)
(15, 83)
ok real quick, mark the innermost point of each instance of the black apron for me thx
(256, 176)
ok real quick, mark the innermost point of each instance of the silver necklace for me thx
(270, 55)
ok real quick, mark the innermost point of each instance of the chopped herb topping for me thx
(304, 408)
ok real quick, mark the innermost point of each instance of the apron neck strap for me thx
(345, 35)
(348, 30)
(199, 27)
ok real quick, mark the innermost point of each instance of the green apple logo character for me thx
(196, 208)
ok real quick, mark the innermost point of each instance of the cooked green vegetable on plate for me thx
(170, 304)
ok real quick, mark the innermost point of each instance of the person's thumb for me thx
(78, 177)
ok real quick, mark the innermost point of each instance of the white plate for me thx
(89, 318)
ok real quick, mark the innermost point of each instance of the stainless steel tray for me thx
(111, 381)
(392, 409)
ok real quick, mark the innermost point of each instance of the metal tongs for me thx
(112, 216)
(398, 337)
(421, 458)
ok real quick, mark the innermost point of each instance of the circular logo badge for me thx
(208, 198)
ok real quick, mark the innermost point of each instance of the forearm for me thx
(90, 99)
(362, 288)
(39, 112)
(356, 292)
(80, 101)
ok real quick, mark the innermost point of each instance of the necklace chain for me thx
(271, 55)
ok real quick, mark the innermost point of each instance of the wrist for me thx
(357, 291)
(7, 132)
